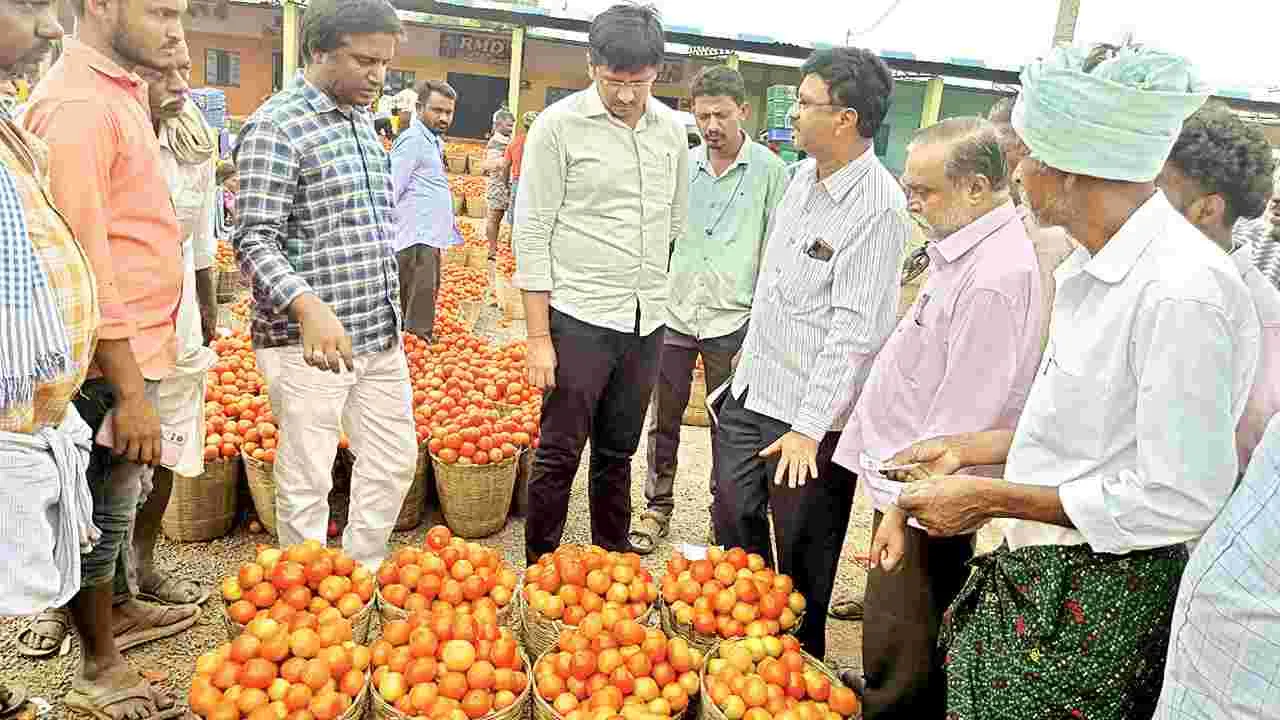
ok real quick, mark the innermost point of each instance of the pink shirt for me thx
(107, 180)
(963, 357)
(1264, 398)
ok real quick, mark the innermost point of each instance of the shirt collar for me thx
(960, 242)
(99, 62)
(702, 155)
(839, 183)
(1114, 261)
(417, 124)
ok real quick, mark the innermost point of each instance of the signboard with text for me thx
(493, 49)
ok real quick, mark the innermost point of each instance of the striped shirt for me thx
(315, 217)
(816, 324)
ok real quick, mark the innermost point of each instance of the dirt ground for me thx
(208, 562)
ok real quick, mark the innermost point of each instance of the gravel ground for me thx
(209, 562)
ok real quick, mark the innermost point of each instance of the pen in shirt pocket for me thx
(920, 306)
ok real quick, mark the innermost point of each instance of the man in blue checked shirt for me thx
(424, 205)
(316, 240)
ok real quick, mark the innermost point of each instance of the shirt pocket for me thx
(920, 356)
(658, 173)
(805, 284)
(1070, 413)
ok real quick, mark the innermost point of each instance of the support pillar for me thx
(517, 71)
(289, 41)
(932, 102)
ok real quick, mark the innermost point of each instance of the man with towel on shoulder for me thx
(1126, 447)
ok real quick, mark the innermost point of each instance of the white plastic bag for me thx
(181, 407)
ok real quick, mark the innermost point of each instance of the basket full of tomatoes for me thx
(728, 594)
(448, 666)
(771, 678)
(449, 574)
(565, 586)
(274, 670)
(626, 669)
(306, 585)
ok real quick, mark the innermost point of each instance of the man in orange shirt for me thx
(106, 177)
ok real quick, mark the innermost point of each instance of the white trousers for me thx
(374, 405)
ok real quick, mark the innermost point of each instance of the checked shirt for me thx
(316, 216)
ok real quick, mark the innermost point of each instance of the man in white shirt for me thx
(824, 303)
(1125, 450)
(603, 195)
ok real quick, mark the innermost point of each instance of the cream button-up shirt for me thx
(1152, 351)
(599, 206)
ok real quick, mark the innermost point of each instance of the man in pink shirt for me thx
(962, 359)
(106, 178)
(1218, 172)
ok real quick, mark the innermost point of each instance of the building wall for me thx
(255, 67)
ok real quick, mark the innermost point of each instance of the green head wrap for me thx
(1117, 121)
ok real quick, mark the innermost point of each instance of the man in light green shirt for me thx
(734, 184)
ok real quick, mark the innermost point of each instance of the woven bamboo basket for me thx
(229, 286)
(509, 299)
(695, 413)
(696, 639)
(478, 257)
(361, 623)
(416, 501)
(470, 311)
(203, 508)
(459, 204)
(382, 710)
(477, 206)
(707, 710)
(475, 163)
(262, 488)
(457, 164)
(542, 709)
(475, 498)
(456, 255)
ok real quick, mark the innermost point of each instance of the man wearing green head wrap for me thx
(1125, 450)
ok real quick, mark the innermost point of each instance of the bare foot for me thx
(116, 692)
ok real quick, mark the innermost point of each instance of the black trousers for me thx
(603, 381)
(669, 400)
(809, 521)
(420, 268)
(900, 656)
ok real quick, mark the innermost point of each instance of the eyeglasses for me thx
(635, 85)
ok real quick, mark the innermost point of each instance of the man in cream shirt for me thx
(603, 195)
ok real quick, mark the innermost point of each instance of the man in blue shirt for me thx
(423, 205)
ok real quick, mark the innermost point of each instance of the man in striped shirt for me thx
(824, 303)
(315, 241)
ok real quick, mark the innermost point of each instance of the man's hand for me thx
(935, 456)
(947, 506)
(890, 542)
(325, 343)
(798, 461)
(541, 360)
(136, 430)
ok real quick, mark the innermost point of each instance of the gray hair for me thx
(974, 149)
(503, 115)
